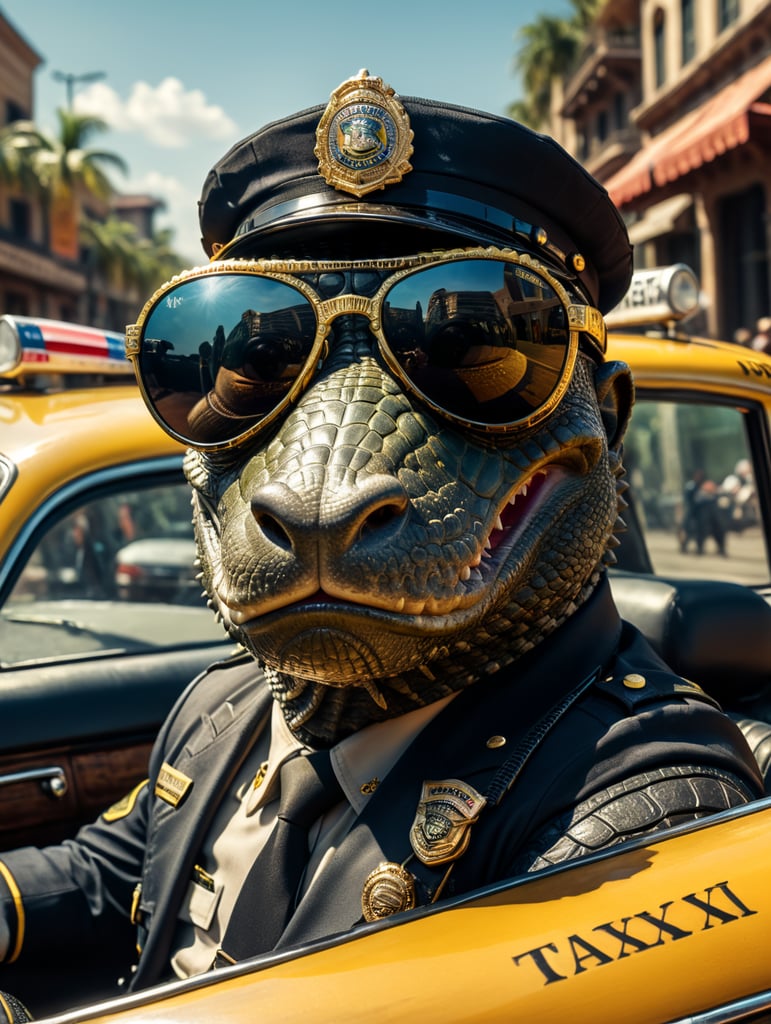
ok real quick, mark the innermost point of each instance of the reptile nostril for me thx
(380, 517)
(273, 530)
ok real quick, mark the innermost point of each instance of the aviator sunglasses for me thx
(486, 338)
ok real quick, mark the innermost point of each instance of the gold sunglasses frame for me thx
(582, 319)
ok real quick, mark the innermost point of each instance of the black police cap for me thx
(379, 167)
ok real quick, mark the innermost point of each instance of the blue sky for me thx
(184, 79)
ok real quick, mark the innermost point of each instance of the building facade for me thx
(33, 280)
(670, 106)
(45, 270)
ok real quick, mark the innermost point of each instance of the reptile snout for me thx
(327, 521)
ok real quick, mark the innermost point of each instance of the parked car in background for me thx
(157, 569)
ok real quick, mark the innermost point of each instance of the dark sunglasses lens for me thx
(221, 351)
(486, 341)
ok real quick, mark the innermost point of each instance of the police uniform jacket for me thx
(571, 729)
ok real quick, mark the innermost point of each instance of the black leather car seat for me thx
(716, 634)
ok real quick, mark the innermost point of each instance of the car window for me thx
(693, 482)
(116, 573)
(132, 545)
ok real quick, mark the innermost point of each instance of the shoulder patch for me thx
(125, 805)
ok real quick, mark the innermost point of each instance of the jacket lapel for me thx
(178, 832)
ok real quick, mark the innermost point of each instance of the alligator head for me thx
(375, 559)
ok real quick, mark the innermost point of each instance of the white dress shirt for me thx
(246, 818)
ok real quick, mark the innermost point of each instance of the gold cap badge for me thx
(364, 139)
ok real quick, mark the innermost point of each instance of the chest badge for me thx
(445, 814)
(364, 139)
(172, 785)
(389, 889)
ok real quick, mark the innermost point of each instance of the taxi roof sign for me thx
(31, 345)
(657, 295)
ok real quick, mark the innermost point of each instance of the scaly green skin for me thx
(346, 550)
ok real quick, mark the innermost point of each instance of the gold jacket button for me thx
(634, 681)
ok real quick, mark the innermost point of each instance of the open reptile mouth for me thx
(473, 579)
(515, 511)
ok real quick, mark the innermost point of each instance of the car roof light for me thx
(659, 295)
(31, 345)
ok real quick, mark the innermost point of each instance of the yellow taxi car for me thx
(86, 673)
(674, 929)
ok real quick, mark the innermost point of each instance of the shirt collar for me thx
(360, 761)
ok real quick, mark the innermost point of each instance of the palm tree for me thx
(156, 260)
(110, 244)
(74, 165)
(548, 47)
(133, 266)
(17, 140)
(62, 172)
(586, 12)
(62, 169)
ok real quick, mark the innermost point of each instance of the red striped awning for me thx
(727, 120)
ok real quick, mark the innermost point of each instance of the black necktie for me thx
(267, 899)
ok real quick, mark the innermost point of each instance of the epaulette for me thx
(634, 690)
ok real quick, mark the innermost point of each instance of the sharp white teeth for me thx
(488, 545)
(498, 523)
(523, 492)
(488, 552)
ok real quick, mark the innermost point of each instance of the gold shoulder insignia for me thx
(364, 139)
(125, 805)
(687, 686)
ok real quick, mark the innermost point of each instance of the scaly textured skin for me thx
(370, 556)
(651, 802)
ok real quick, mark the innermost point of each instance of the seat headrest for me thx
(716, 634)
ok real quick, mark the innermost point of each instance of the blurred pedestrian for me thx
(738, 489)
(762, 340)
(701, 519)
(743, 336)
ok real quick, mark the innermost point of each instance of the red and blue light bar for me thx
(30, 345)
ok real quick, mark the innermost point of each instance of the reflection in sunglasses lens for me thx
(485, 340)
(219, 352)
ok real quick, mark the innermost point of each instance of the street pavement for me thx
(746, 560)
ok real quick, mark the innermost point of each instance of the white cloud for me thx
(166, 115)
(180, 212)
